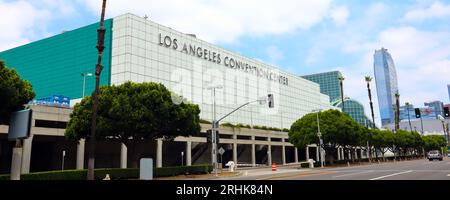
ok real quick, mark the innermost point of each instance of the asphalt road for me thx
(404, 170)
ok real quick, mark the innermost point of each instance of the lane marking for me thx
(295, 175)
(381, 177)
(351, 174)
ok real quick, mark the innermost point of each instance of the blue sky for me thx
(301, 37)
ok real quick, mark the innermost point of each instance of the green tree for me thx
(14, 92)
(132, 113)
(434, 142)
(382, 140)
(337, 128)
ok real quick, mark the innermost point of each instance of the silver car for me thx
(434, 155)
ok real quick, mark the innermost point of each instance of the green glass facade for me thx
(329, 85)
(54, 65)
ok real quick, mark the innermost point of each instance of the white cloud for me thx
(274, 54)
(224, 20)
(435, 10)
(340, 15)
(24, 21)
(422, 60)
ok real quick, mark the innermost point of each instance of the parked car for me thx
(434, 155)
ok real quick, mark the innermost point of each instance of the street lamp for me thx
(84, 82)
(214, 127)
(322, 153)
(443, 127)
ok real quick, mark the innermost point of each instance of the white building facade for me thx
(144, 51)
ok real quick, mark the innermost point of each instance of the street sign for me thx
(221, 151)
(20, 124)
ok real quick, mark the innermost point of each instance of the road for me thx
(404, 170)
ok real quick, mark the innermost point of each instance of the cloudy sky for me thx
(301, 37)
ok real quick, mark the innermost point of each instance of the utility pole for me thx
(98, 69)
(409, 118)
(319, 135)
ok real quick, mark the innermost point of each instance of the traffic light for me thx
(417, 112)
(446, 112)
(209, 136)
(270, 100)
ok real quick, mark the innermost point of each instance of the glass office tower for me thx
(329, 85)
(386, 81)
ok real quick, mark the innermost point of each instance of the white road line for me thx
(381, 177)
(353, 174)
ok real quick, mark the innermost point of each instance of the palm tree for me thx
(397, 111)
(368, 80)
(341, 80)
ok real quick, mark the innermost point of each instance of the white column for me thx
(283, 153)
(123, 156)
(253, 151)
(80, 153)
(16, 163)
(317, 153)
(235, 158)
(356, 153)
(349, 155)
(339, 153)
(269, 152)
(159, 144)
(296, 155)
(189, 153)
(307, 153)
(361, 153)
(26, 155)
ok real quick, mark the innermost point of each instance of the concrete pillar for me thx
(361, 153)
(339, 153)
(356, 153)
(253, 151)
(269, 152)
(16, 163)
(307, 153)
(26, 155)
(123, 156)
(188, 153)
(283, 154)
(296, 155)
(80, 153)
(317, 153)
(159, 144)
(235, 158)
(349, 155)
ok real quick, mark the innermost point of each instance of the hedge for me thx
(117, 174)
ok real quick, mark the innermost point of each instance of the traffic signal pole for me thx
(215, 123)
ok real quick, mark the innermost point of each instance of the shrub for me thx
(202, 121)
(227, 124)
(115, 173)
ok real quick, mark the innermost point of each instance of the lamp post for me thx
(84, 82)
(98, 69)
(213, 128)
(319, 135)
(443, 127)
(182, 158)
(409, 118)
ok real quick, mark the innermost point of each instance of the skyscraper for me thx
(448, 88)
(386, 81)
